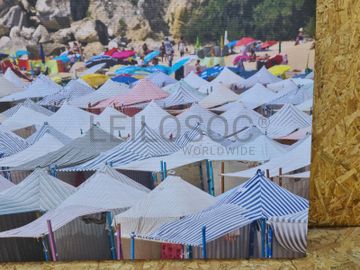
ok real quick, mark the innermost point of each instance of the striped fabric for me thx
(10, 143)
(188, 136)
(47, 129)
(74, 89)
(219, 221)
(5, 184)
(291, 230)
(38, 192)
(262, 198)
(296, 96)
(28, 104)
(146, 143)
(182, 94)
(286, 121)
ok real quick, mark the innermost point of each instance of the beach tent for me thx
(10, 143)
(45, 140)
(291, 230)
(80, 150)
(286, 121)
(13, 78)
(284, 86)
(71, 121)
(109, 89)
(239, 117)
(5, 184)
(145, 144)
(41, 87)
(114, 122)
(306, 106)
(298, 135)
(195, 81)
(219, 94)
(23, 118)
(143, 91)
(102, 192)
(74, 89)
(259, 197)
(37, 192)
(28, 103)
(263, 76)
(160, 79)
(173, 199)
(229, 78)
(256, 96)
(182, 94)
(297, 158)
(297, 96)
(8, 88)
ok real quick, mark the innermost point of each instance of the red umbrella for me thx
(245, 41)
(111, 52)
(268, 44)
(123, 54)
(241, 57)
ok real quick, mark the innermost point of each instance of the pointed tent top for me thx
(195, 81)
(8, 89)
(219, 95)
(229, 78)
(28, 103)
(47, 129)
(5, 184)
(263, 76)
(256, 96)
(15, 79)
(37, 192)
(10, 143)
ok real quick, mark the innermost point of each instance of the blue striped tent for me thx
(47, 129)
(145, 144)
(10, 143)
(28, 104)
(257, 198)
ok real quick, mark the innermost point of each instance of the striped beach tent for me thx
(44, 141)
(182, 94)
(5, 184)
(263, 76)
(173, 199)
(291, 230)
(109, 89)
(37, 192)
(79, 151)
(41, 87)
(286, 121)
(10, 143)
(297, 96)
(7, 89)
(145, 144)
(257, 198)
(74, 89)
(28, 103)
(102, 192)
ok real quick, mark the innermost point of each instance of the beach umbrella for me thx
(265, 45)
(245, 41)
(98, 59)
(241, 57)
(95, 80)
(3, 55)
(127, 70)
(231, 44)
(182, 62)
(123, 54)
(62, 58)
(211, 72)
(21, 53)
(124, 79)
(161, 68)
(151, 56)
(279, 70)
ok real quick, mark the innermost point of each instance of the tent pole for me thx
(201, 176)
(208, 175)
(45, 249)
(132, 246)
(190, 252)
(203, 231)
(262, 229)
(165, 170)
(119, 254)
(280, 177)
(212, 189)
(52, 241)
(252, 239)
(222, 186)
(162, 170)
(267, 173)
(111, 235)
(270, 241)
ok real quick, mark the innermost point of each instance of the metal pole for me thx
(267, 173)
(165, 170)
(204, 242)
(222, 186)
(119, 254)
(280, 177)
(52, 241)
(201, 176)
(132, 246)
(212, 188)
(111, 235)
(252, 239)
(262, 229)
(45, 249)
(208, 175)
(162, 170)
(270, 241)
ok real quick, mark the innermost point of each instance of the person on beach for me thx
(162, 51)
(182, 47)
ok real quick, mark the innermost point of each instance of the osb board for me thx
(335, 176)
(328, 249)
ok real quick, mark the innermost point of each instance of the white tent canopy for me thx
(102, 192)
(195, 81)
(42, 86)
(263, 76)
(28, 104)
(13, 78)
(297, 158)
(256, 96)
(107, 90)
(8, 88)
(5, 184)
(219, 94)
(37, 192)
(229, 78)
(306, 106)
(172, 199)
(283, 86)
(115, 122)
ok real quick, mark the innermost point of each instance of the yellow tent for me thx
(279, 70)
(95, 80)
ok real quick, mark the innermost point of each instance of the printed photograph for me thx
(155, 129)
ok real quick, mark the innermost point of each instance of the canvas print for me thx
(137, 129)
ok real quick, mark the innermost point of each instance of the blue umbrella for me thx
(124, 79)
(231, 44)
(151, 56)
(62, 58)
(211, 72)
(180, 63)
(161, 68)
(128, 70)
(21, 53)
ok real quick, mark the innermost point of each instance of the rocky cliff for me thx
(94, 22)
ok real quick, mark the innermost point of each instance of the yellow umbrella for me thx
(279, 70)
(95, 80)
